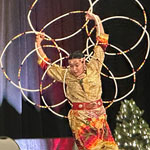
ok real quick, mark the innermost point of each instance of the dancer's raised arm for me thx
(101, 40)
(55, 71)
(98, 23)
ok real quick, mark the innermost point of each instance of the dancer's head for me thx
(77, 63)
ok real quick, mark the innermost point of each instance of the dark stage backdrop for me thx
(18, 118)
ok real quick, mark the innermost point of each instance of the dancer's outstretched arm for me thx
(101, 39)
(56, 72)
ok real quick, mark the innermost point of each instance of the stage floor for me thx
(47, 144)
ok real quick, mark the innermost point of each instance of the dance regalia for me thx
(87, 118)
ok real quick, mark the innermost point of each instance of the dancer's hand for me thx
(40, 37)
(97, 20)
(90, 16)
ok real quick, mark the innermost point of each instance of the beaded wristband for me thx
(42, 63)
(102, 40)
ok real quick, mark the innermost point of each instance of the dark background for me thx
(18, 118)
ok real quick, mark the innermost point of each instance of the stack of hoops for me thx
(86, 50)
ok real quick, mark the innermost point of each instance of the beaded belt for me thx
(87, 106)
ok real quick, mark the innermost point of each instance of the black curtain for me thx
(20, 119)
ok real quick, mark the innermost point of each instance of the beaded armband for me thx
(103, 40)
(42, 63)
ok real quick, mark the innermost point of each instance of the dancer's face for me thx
(77, 66)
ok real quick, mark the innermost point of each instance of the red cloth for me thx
(61, 144)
